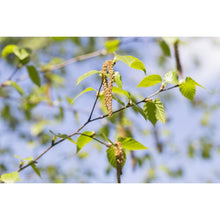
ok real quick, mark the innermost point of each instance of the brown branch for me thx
(177, 58)
(88, 121)
(75, 59)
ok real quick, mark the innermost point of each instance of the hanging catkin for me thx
(108, 65)
(119, 155)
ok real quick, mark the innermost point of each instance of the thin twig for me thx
(96, 99)
(75, 59)
(177, 58)
(88, 121)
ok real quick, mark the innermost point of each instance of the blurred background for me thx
(185, 149)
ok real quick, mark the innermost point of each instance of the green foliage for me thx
(171, 77)
(23, 54)
(171, 40)
(85, 75)
(137, 108)
(63, 136)
(160, 114)
(8, 50)
(150, 112)
(188, 88)
(10, 177)
(117, 79)
(84, 139)
(15, 85)
(84, 91)
(150, 80)
(33, 74)
(132, 62)
(112, 45)
(131, 144)
(165, 48)
(121, 91)
(111, 157)
(36, 170)
(154, 110)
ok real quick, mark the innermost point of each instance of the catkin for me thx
(107, 87)
(119, 155)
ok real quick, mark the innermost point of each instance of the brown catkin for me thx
(108, 87)
(119, 155)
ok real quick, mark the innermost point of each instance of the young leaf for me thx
(111, 156)
(21, 53)
(64, 136)
(165, 48)
(188, 88)
(8, 49)
(85, 75)
(131, 144)
(112, 45)
(26, 159)
(36, 170)
(121, 91)
(117, 79)
(118, 100)
(33, 74)
(150, 112)
(15, 85)
(83, 139)
(139, 109)
(132, 62)
(150, 80)
(10, 177)
(160, 114)
(170, 40)
(171, 77)
(86, 90)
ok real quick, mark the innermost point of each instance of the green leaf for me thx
(170, 40)
(188, 88)
(83, 140)
(131, 61)
(10, 177)
(106, 138)
(131, 144)
(121, 91)
(197, 83)
(117, 79)
(118, 100)
(112, 45)
(25, 159)
(85, 75)
(84, 91)
(33, 74)
(64, 136)
(9, 49)
(139, 109)
(150, 80)
(15, 85)
(36, 170)
(21, 53)
(171, 77)
(160, 114)
(165, 48)
(150, 112)
(111, 156)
